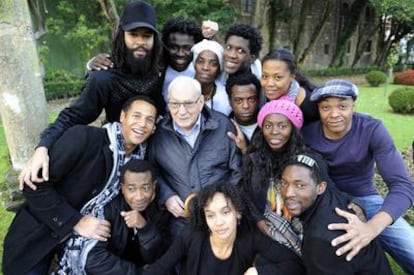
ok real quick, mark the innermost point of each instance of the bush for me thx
(402, 100)
(404, 78)
(376, 78)
(336, 71)
(60, 84)
(62, 89)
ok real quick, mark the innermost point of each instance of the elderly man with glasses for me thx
(190, 149)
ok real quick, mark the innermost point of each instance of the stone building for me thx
(340, 33)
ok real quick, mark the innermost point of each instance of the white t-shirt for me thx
(170, 74)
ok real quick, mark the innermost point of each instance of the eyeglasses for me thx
(188, 105)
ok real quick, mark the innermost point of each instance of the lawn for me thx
(372, 101)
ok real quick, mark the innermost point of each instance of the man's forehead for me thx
(180, 37)
(138, 177)
(142, 106)
(238, 41)
(184, 94)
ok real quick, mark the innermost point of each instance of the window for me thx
(368, 47)
(326, 49)
(247, 6)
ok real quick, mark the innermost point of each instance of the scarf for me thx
(282, 228)
(292, 92)
(76, 248)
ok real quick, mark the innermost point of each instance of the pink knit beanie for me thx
(284, 107)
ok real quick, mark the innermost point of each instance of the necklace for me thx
(211, 93)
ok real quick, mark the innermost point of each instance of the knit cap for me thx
(209, 45)
(284, 107)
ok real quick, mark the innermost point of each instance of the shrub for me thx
(402, 100)
(60, 84)
(62, 89)
(376, 78)
(336, 71)
(404, 78)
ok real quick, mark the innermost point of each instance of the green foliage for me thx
(197, 10)
(335, 71)
(60, 84)
(376, 78)
(404, 78)
(82, 24)
(401, 100)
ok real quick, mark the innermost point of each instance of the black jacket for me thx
(80, 163)
(190, 248)
(317, 252)
(103, 90)
(127, 250)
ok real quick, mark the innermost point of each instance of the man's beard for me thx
(138, 66)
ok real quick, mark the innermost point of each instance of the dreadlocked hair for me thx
(119, 52)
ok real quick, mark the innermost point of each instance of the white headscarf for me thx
(209, 45)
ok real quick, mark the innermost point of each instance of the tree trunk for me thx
(352, 19)
(109, 9)
(22, 99)
(318, 30)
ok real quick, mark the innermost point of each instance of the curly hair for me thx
(119, 52)
(289, 58)
(270, 163)
(243, 78)
(232, 194)
(181, 25)
(249, 33)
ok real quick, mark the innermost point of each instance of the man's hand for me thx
(251, 271)
(100, 62)
(133, 219)
(209, 29)
(93, 228)
(238, 138)
(176, 206)
(39, 161)
(358, 233)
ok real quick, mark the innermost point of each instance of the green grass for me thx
(6, 216)
(374, 101)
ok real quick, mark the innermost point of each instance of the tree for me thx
(22, 102)
(197, 10)
(397, 20)
(347, 28)
(22, 99)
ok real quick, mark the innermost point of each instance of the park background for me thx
(331, 39)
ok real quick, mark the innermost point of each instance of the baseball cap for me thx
(138, 14)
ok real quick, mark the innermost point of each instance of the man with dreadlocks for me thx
(135, 52)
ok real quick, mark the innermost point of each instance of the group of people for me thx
(212, 161)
